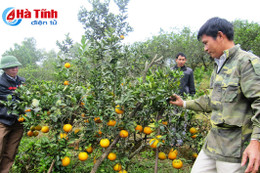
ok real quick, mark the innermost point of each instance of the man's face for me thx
(11, 71)
(212, 46)
(181, 60)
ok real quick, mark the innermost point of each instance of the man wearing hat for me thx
(11, 130)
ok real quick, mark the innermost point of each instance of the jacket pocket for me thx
(230, 91)
(225, 142)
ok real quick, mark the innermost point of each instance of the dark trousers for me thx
(10, 137)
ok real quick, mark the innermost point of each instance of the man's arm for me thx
(191, 84)
(250, 85)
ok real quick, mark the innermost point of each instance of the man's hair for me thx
(180, 54)
(214, 25)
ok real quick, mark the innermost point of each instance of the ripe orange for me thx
(76, 131)
(111, 123)
(83, 156)
(119, 109)
(122, 171)
(66, 82)
(104, 143)
(63, 135)
(139, 128)
(165, 123)
(67, 127)
(27, 110)
(153, 143)
(30, 133)
(45, 129)
(194, 136)
(65, 161)
(111, 156)
(177, 163)
(123, 134)
(172, 155)
(89, 149)
(97, 120)
(148, 130)
(122, 36)
(21, 119)
(67, 65)
(117, 167)
(194, 155)
(193, 130)
(162, 156)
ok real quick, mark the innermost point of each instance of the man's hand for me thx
(176, 100)
(252, 152)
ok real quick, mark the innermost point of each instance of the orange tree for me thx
(103, 95)
(108, 92)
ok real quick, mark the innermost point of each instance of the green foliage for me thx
(100, 19)
(26, 53)
(247, 35)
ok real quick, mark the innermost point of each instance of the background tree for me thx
(247, 35)
(26, 53)
(100, 19)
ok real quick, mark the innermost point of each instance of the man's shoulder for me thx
(188, 69)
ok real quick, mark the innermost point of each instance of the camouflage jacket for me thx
(234, 103)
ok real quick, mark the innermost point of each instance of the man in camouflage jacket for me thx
(232, 144)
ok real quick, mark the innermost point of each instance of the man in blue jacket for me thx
(11, 130)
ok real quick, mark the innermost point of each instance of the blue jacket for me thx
(7, 86)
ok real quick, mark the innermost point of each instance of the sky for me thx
(147, 17)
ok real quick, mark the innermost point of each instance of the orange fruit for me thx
(194, 155)
(66, 82)
(123, 134)
(111, 123)
(97, 120)
(30, 133)
(38, 127)
(76, 131)
(86, 121)
(63, 135)
(67, 127)
(82, 115)
(119, 109)
(21, 119)
(35, 133)
(165, 123)
(104, 143)
(194, 136)
(122, 37)
(83, 156)
(67, 65)
(122, 171)
(172, 155)
(27, 110)
(139, 128)
(193, 130)
(177, 163)
(98, 134)
(117, 167)
(148, 130)
(89, 149)
(162, 156)
(153, 143)
(111, 156)
(45, 129)
(65, 161)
